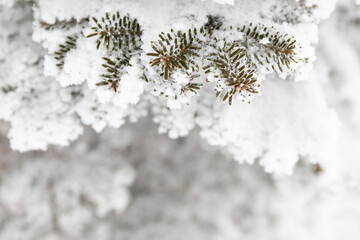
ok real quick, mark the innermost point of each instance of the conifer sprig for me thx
(116, 32)
(113, 72)
(60, 54)
(235, 71)
(214, 23)
(278, 53)
(193, 87)
(7, 89)
(176, 50)
(65, 24)
(121, 36)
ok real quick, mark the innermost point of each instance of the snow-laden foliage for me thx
(40, 112)
(184, 189)
(93, 68)
(276, 135)
(59, 198)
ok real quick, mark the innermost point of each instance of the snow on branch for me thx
(106, 65)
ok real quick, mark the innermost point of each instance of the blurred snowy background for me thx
(134, 183)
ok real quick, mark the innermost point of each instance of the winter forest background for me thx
(130, 119)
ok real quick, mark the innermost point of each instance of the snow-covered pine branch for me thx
(97, 62)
